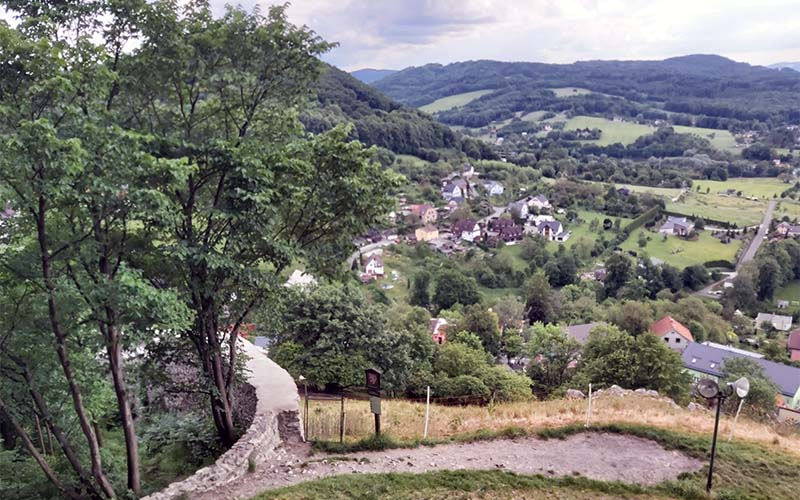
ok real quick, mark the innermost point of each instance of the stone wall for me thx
(276, 421)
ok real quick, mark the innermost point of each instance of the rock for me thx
(616, 390)
(575, 394)
(695, 407)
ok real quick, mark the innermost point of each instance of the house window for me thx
(677, 341)
(666, 340)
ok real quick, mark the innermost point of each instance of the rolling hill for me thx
(786, 65)
(709, 86)
(369, 75)
(381, 121)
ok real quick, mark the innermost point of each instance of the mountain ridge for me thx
(371, 75)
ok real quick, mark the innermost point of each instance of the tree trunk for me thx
(7, 433)
(128, 425)
(36, 455)
(63, 356)
(221, 399)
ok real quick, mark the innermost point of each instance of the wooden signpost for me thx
(374, 391)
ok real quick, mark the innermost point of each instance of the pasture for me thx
(734, 210)
(570, 91)
(720, 139)
(612, 132)
(790, 292)
(454, 101)
(787, 208)
(760, 187)
(681, 253)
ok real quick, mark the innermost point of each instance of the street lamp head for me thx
(301, 378)
(741, 387)
(708, 388)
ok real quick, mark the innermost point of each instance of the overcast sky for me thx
(399, 33)
(395, 34)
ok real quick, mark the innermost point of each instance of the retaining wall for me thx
(277, 420)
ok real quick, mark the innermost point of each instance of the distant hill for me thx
(382, 121)
(696, 85)
(369, 75)
(783, 65)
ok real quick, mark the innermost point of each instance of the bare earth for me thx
(605, 457)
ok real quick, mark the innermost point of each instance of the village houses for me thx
(679, 226)
(467, 230)
(426, 233)
(438, 330)
(425, 214)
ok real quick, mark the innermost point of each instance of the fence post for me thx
(589, 409)
(427, 411)
(341, 421)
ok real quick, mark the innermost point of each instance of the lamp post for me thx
(710, 390)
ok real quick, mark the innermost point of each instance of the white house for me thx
(540, 202)
(778, 322)
(300, 279)
(467, 230)
(452, 190)
(550, 230)
(675, 335)
(374, 266)
(519, 209)
(680, 226)
(493, 188)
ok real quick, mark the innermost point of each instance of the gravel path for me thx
(605, 457)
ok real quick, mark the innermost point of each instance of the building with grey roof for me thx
(708, 361)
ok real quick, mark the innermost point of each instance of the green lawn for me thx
(711, 206)
(581, 230)
(613, 132)
(658, 191)
(570, 91)
(454, 101)
(790, 292)
(761, 187)
(720, 139)
(681, 253)
(533, 116)
(790, 209)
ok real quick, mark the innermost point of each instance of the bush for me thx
(193, 432)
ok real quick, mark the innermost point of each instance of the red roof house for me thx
(438, 330)
(675, 335)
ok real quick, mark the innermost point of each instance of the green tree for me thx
(642, 241)
(331, 334)
(618, 271)
(694, 277)
(485, 325)
(760, 400)
(614, 357)
(768, 278)
(420, 294)
(453, 287)
(539, 300)
(553, 355)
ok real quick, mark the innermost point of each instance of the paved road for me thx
(368, 248)
(748, 254)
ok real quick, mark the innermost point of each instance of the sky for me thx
(394, 34)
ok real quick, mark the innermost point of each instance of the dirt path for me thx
(605, 457)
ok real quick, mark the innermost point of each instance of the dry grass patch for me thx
(404, 420)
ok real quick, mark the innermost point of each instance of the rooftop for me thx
(668, 324)
(710, 360)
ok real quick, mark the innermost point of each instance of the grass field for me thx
(404, 420)
(681, 253)
(454, 101)
(761, 187)
(658, 191)
(720, 139)
(533, 116)
(790, 292)
(613, 132)
(790, 209)
(570, 91)
(711, 206)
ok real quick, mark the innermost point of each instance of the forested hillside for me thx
(715, 89)
(381, 121)
(369, 75)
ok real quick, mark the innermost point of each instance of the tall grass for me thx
(405, 420)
